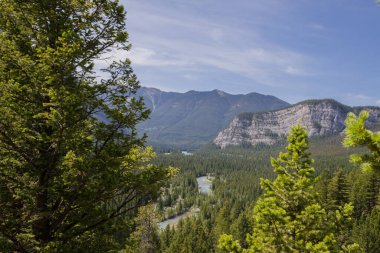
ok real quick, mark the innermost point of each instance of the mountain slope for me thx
(320, 117)
(194, 118)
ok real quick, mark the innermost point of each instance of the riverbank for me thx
(205, 187)
(174, 220)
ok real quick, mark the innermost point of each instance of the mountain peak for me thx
(220, 92)
(194, 118)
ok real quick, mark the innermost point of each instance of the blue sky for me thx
(292, 49)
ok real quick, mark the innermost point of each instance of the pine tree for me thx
(241, 227)
(357, 135)
(288, 218)
(283, 218)
(166, 237)
(322, 187)
(364, 192)
(222, 222)
(337, 191)
(145, 239)
(367, 232)
(71, 163)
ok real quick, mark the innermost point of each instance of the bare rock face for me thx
(320, 117)
(194, 118)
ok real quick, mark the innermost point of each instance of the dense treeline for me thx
(236, 187)
(76, 177)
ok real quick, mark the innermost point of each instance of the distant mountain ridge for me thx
(320, 117)
(194, 118)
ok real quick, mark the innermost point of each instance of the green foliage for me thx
(227, 243)
(145, 238)
(337, 191)
(190, 235)
(288, 218)
(68, 180)
(236, 188)
(364, 192)
(367, 231)
(366, 186)
(241, 227)
(236, 185)
(357, 135)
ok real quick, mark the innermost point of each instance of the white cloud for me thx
(166, 37)
(359, 99)
(149, 57)
(359, 96)
(259, 64)
(109, 56)
(295, 71)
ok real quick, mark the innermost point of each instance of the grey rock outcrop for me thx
(194, 118)
(320, 117)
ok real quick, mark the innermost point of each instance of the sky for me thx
(292, 49)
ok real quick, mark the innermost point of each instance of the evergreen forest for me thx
(229, 210)
(77, 176)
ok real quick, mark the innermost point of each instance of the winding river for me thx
(204, 184)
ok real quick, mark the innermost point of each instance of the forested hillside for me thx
(77, 173)
(236, 188)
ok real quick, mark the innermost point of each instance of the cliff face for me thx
(320, 117)
(194, 118)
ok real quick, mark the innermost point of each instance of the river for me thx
(204, 184)
(172, 221)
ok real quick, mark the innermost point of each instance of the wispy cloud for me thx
(275, 47)
(359, 99)
(258, 64)
(296, 71)
(180, 41)
(149, 57)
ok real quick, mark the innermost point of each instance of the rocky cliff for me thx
(320, 117)
(194, 118)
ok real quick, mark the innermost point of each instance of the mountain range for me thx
(320, 117)
(194, 118)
